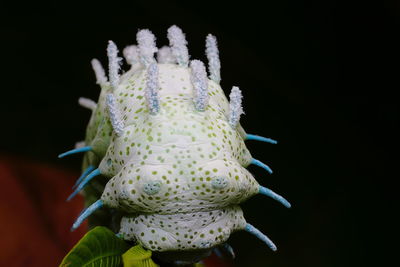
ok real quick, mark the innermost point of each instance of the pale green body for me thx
(178, 176)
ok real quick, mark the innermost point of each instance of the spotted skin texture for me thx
(198, 230)
(179, 175)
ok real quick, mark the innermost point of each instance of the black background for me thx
(319, 76)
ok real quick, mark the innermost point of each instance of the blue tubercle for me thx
(268, 192)
(262, 165)
(260, 138)
(84, 174)
(84, 183)
(229, 249)
(86, 213)
(218, 252)
(254, 231)
(74, 151)
(119, 235)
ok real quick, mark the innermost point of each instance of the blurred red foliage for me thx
(35, 219)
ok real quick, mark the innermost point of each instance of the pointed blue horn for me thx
(262, 165)
(260, 138)
(84, 183)
(254, 231)
(86, 213)
(229, 249)
(74, 151)
(268, 192)
(218, 252)
(84, 174)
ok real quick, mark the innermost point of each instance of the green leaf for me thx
(99, 247)
(137, 256)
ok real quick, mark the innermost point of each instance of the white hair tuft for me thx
(131, 54)
(115, 115)
(87, 103)
(113, 64)
(152, 88)
(200, 84)
(101, 78)
(178, 45)
(164, 55)
(80, 144)
(214, 64)
(147, 46)
(235, 106)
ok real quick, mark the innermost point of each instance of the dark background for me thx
(319, 76)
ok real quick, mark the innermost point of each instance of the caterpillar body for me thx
(169, 149)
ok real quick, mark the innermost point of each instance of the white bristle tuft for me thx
(214, 65)
(164, 55)
(131, 54)
(87, 103)
(80, 144)
(147, 46)
(152, 88)
(115, 115)
(178, 44)
(113, 64)
(200, 84)
(101, 78)
(235, 106)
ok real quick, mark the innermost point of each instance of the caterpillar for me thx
(164, 150)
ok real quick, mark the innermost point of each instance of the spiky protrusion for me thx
(101, 78)
(87, 103)
(214, 65)
(147, 46)
(200, 84)
(113, 64)
(131, 54)
(164, 55)
(235, 106)
(80, 144)
(152, 87)
(269, 193)
(86, 213)
(85, 173)
(254, 231)
(76, 150)
(261, 164)
(115, 116)
(84, 182)
(178, 44)
(260, 138)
